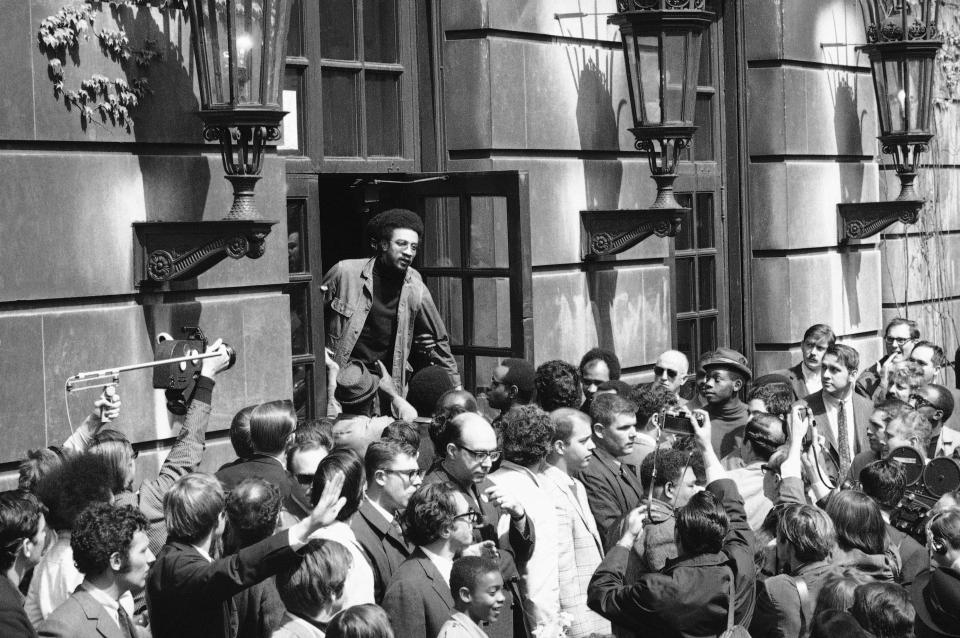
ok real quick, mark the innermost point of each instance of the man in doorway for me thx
(805, 376)
(898, 340)
(379, 309)
(512, 383)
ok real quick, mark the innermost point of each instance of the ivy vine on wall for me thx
(98, 99)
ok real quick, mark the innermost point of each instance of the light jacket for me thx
(348, 293)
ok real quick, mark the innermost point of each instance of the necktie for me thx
(843, 442)
(126, 625)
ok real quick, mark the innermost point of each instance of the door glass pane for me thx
(340, 107)
(708, 334)
(703, 120)
(441, 246)
(491, 316)
(303, 391)
(707, 283)
(705, 237)
(296, 235)
(380, 31)
(383, 113)
(447, 294)
(684, 238)
(686, 284)
(295, 33)
(687, 338)
(337, 29)
(300, 319)
(706, 71)
(488, 233)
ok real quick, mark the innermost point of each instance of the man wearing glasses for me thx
(936, 404)
(392, 477)
(670, 371)
(469, 447)
(898, 341)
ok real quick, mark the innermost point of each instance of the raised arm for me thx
(105, 409)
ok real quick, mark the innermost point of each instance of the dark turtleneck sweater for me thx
(379, 333)
(728, 421)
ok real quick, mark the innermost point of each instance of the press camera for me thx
(675, 420)
(925, 485)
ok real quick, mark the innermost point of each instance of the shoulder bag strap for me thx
(801, 586)
(732, 602)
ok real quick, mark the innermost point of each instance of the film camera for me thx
(178, 378)
(677, 421)
(925, 485)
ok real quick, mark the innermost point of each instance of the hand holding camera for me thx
(215, 365)
(107, 407)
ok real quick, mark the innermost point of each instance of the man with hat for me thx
(936, 594)
(725, 373)
(356, 391)
(379, 309)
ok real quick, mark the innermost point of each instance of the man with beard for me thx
(392, 477)
(379, 309)
(805, 376)
(512, 383)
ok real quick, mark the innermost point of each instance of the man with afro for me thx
(379, 311)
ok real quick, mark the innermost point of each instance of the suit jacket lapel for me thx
(613, 472)
(384, 527)
(436, 578)
(107, 627)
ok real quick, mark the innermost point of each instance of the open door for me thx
(474, 256)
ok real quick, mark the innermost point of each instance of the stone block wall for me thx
(68, 300)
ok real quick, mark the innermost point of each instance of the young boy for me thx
(477, 589)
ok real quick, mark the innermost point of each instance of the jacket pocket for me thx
(338, 320)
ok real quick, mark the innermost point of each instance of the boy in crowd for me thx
(477, 588)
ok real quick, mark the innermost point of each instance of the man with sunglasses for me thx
(470, 448)
(936, 403)
(670, 371)
(392, 477)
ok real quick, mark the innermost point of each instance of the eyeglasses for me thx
(658, 372)
(409, 474)
(305, 479)
(472, 516)
(481, 455)
(897, 340)
(920, 402)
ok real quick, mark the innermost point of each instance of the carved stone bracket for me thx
(859, 220)
(608, 232)
(174, 251)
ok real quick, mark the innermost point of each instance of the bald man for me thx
(670, 371)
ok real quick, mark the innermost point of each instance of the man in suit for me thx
(805, 376)
(440, 523)
(579, 549)
(189, 594)
(689, 596)
(842, 416)
(613, 486)
(392, 477)
(112, 550)
(936, 403)
(23, 531)
(271, 425)
(469, 446)
(313, 590)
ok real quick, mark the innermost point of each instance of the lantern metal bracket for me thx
(864, 219)
(174, 251)
(608, 232)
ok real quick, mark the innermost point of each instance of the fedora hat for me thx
(726, 358)
(936, 597)
(355, 384)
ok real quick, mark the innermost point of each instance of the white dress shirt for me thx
(811, 379)
(443, 564)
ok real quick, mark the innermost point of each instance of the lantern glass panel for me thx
(644, 69)
(681, 55)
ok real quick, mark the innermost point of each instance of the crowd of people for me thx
(565, 502)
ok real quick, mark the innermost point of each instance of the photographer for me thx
(756, 481)
(936, 594)
(691, 595)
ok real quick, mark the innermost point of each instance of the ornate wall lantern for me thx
(661, 46)
(902, 43)
(239, 51)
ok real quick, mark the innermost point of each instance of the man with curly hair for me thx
(379, 309)
(440, 522)
(23, 532)
(558, 385)
(112, 550)
(527, 433)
